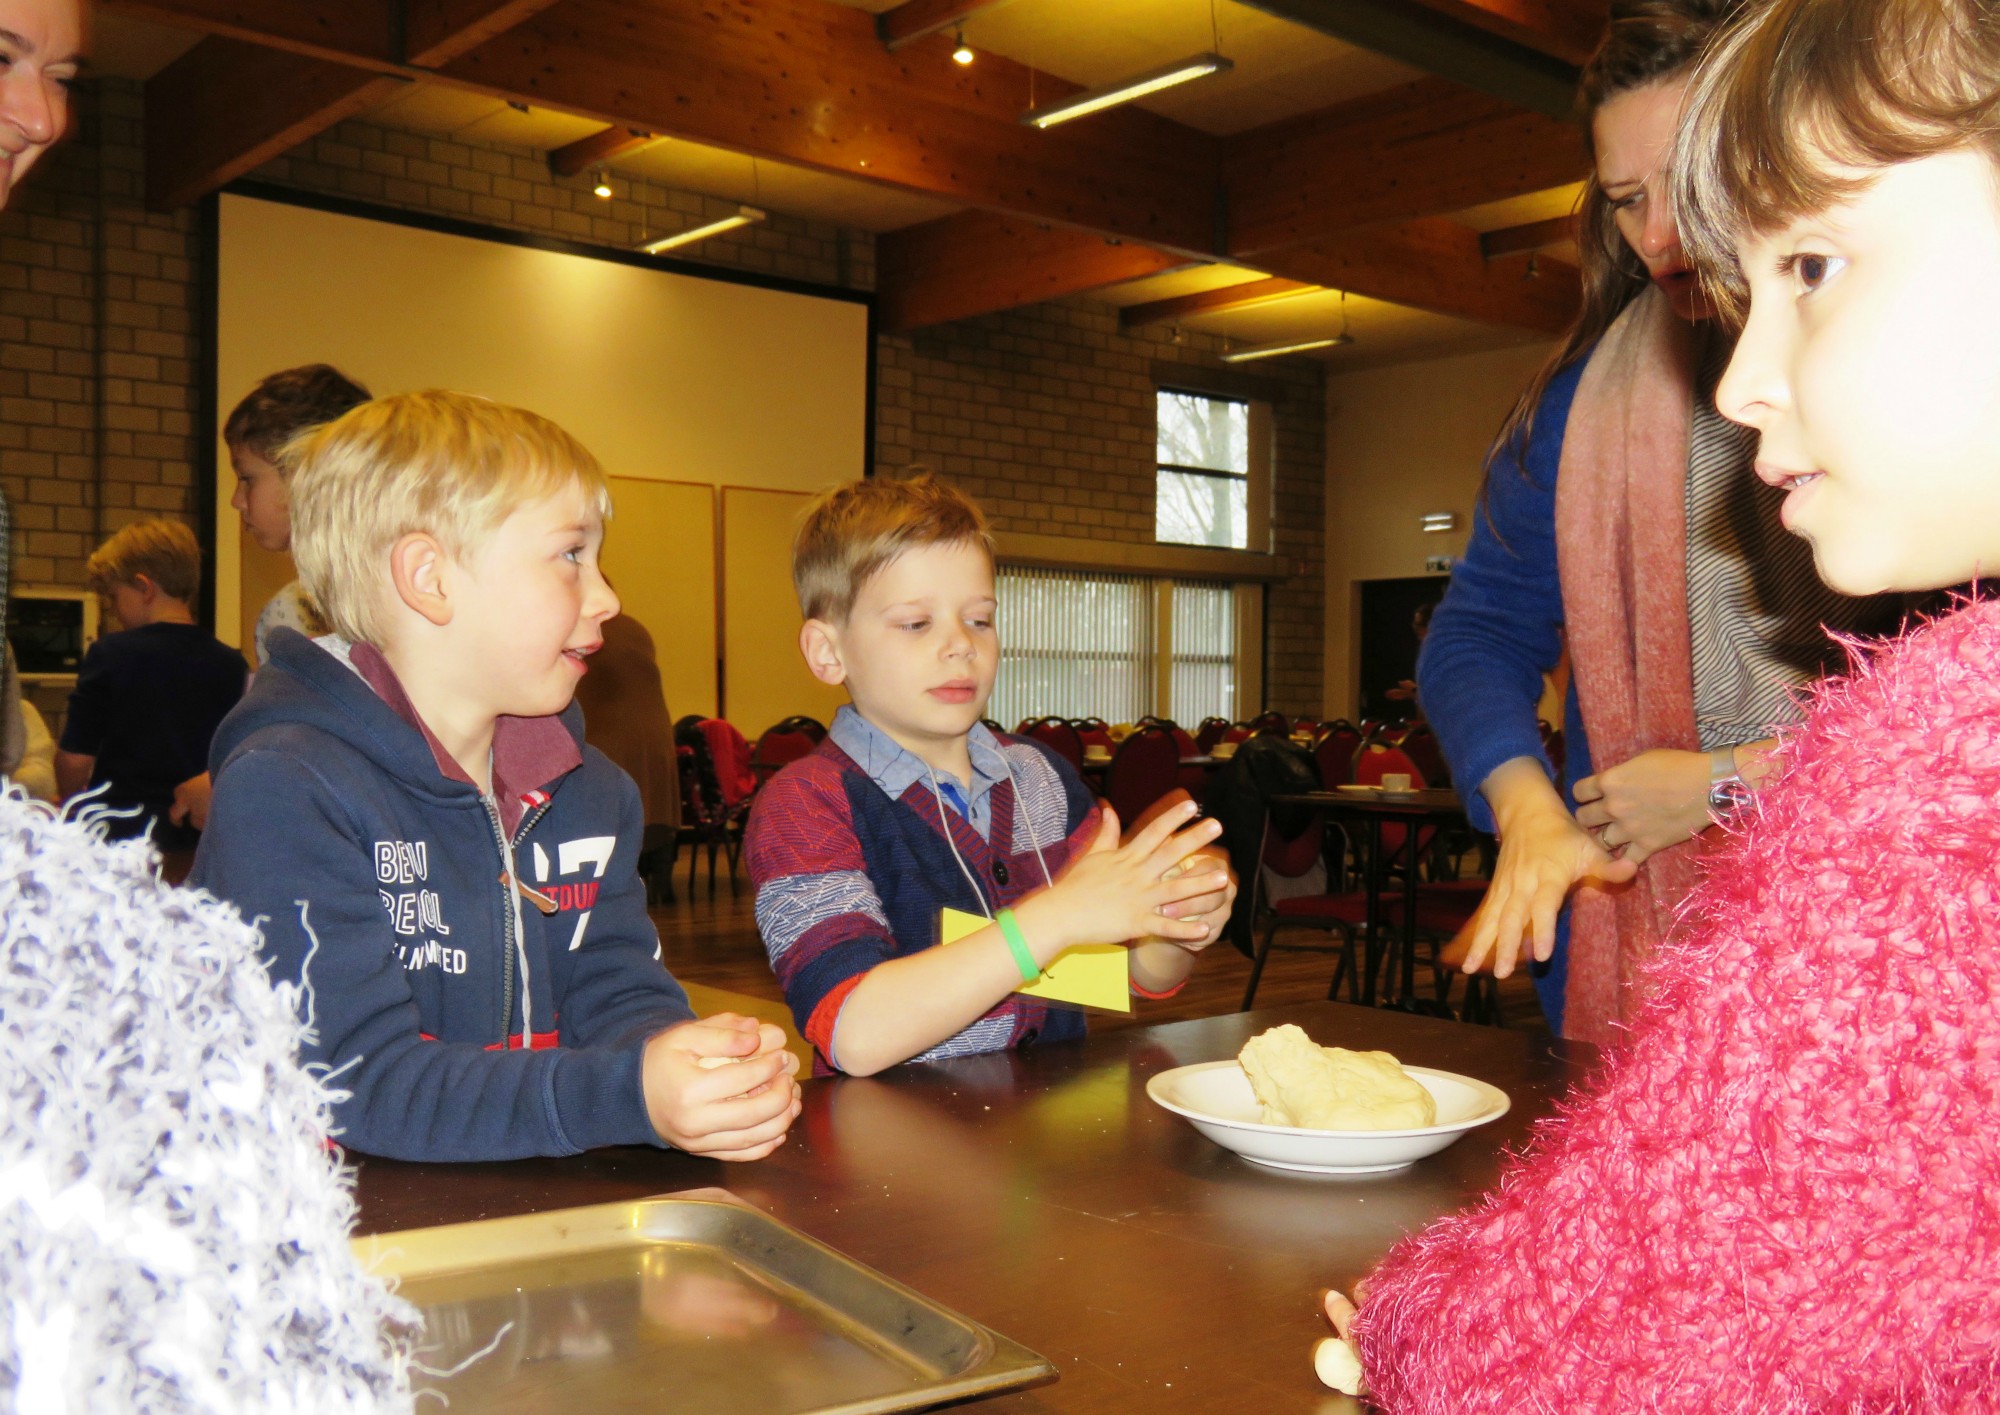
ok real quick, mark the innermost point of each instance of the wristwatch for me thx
(1728, 792)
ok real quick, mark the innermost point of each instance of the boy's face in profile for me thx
(918, 651)
(1871, 366)
(124, 605)
(530, 608)
(259, 499)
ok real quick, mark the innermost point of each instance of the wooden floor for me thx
(713, 942)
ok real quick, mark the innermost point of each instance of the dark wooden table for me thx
(1434, 806)
(1044, 1195)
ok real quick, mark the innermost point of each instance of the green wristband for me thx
(1010, 929)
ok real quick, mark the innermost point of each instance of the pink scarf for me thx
(1621, 550)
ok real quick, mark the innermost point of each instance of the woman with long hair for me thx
(1619, 519)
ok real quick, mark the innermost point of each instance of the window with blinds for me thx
(1204, 651)
(1077, 643)
(1074, 644)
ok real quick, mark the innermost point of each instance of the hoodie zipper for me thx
(507, 913)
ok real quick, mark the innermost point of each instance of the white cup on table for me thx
(1395, 782)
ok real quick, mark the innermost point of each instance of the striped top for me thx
(848, 876)
(1758, 613)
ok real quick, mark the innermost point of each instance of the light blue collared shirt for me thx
(893, 767)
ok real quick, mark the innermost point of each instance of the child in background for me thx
(1779, 1193)
(274, 412)
(270, 415)
(409, 806)
(148, 697)
(911, 806)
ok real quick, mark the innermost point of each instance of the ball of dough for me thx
(1337, 1365)
(1301, 1084)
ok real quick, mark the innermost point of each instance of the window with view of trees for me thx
(1203, 452)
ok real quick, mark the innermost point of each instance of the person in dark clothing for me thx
(148, 697)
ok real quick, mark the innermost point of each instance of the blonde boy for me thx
(911, 806)
(150, 693)
(409, 808)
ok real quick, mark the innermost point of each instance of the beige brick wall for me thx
(96, 346)
(1045, 413)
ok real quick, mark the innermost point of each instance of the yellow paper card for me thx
(1091, 974)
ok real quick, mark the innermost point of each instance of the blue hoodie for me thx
(466, 1021)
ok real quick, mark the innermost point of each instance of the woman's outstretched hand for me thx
(1544, 854)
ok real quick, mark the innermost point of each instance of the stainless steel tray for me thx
(693, 1303)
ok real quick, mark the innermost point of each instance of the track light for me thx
(1295, 346)
(1286, 346)
(745, 216)
(963, 54)
(1092, 100)
(603, 187)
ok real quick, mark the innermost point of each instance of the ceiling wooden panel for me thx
(847, 133)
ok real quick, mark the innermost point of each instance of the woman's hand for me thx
(1657, 799)
(1544, 854)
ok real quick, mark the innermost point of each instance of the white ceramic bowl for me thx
(1215, 1097)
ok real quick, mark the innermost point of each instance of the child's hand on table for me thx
(1335, 1359)
(722, 1086)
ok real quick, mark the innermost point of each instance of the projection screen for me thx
(692, 388)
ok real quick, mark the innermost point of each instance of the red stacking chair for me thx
(1057, 734)
(1145, 767)
(1093, 731)
(731, 751)
(1334, 755)
(1209, 733)
(1376, 761)
(787, 742)
(1284, 862)
(1420, 745)
(1269, 721)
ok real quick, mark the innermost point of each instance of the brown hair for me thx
(1801, 87)
(851, 532)
(449, 464)
(165, 552)
(286, 404)
(1649, 41)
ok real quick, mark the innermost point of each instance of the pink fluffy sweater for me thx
(1781, 1193)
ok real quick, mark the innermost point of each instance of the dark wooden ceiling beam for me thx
(435, 32)
(1436, 38)
(1530, 236)
(1562, 29)
(807, 82)
(353, 32)
(1437, 265)
(915, 19)
(228, 105)
(1230, 297)
(603, 146)
(1423, 149)
(975, 263)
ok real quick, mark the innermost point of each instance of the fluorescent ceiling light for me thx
(1286, 346)
(745, 216)
(1124, 91)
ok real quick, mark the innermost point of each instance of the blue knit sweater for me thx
(1499, 630)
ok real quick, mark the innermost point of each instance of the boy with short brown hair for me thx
(912, 806)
